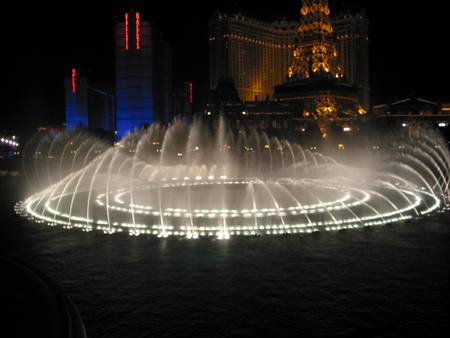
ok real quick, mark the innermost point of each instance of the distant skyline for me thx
(42, 43)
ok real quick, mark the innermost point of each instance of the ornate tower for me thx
(316, 86)
(316, 56)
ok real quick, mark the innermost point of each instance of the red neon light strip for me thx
(191, 91)
(126, 31)
(74, 80)
(138, 31)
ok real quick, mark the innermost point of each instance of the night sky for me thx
(41, 44)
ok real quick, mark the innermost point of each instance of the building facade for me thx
(162, 79)
(352, 33)
(415, 109)
(76, 96)
(134, 73)
(182, 99)
(101, 110)
(87, 107)
(316, 85)
(143, 74)
(254, 54)
(411, 112)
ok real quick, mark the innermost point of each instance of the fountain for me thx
(189, 181)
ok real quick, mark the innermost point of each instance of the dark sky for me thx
(42, 42)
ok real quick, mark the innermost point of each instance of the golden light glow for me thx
(361, 111)
(326, 108)
(317, 51)
(322, 56)
(290, 72)
(316, 56)
(315, 8)
(316, 26)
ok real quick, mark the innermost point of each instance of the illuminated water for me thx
(385, 281)
(187, 181)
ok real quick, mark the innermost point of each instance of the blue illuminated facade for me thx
(101, 109)
(134, 74)
(76, 88)
(88, 107)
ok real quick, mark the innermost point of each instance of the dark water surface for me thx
(383, 282)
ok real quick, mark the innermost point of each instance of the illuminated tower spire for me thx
(316, 81)
(316, 55)
(315, 22)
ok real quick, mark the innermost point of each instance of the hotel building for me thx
(256, 55)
